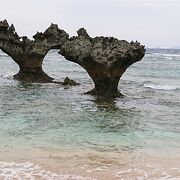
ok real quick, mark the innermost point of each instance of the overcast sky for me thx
(155, 23)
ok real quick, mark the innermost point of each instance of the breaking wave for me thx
(9, 75)
(163, 55)
(161, 87)
(3, 55)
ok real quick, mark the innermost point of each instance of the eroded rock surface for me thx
(104, 58)
(70, 82)
(29, 54)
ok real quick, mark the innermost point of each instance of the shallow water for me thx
(128, 138)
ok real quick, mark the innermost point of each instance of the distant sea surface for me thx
(48, 131)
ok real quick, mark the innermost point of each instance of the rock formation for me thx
(104, 58)
(29, 54)
(70, 82)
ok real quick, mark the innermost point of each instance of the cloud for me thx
(145, 2)
(153, 22)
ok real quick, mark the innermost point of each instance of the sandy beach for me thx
(83, 164)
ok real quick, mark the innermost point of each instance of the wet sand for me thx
(83, 164)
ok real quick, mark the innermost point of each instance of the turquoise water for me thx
(50, 115)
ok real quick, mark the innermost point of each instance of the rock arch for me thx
(29, 54)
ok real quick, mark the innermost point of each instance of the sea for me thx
(55, 132)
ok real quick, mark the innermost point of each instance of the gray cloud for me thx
(153, 22)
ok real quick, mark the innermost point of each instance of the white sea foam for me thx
(3, 55)
(163, 55)
(171, 55)
(161, 87)
(9, 75)
(30, 171)
(159, 174)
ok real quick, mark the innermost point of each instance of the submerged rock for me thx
(70, 82)
(104, 58)
(29, 54)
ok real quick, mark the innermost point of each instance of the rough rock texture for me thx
(29, 54)
(70, 82)
(104, 58)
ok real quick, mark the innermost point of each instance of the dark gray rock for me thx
(29, 54)
(104, 58)
(70, 82)
(12, 28)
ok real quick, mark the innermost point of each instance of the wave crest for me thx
(161, 87)
(9, 75)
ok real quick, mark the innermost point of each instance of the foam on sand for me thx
(30, 171)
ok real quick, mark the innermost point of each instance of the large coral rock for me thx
(29, 54)
(104, 58)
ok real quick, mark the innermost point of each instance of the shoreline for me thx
(96, 164)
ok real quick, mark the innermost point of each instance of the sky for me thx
(155, 23)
